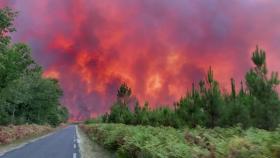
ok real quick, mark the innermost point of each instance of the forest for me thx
(25, 96)
(255, 104)
(205, 123)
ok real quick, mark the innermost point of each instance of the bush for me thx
(160, 142)
(11, 133)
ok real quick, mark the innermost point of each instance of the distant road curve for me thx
(62, 144)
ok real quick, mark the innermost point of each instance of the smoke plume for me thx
(158, 47)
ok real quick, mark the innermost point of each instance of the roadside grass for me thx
(89, 148)
(11, 133)
(162, 142)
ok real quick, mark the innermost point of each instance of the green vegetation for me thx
(25, 97)
(211, 124)
(256, 104)
(158, 142)
(205, 123)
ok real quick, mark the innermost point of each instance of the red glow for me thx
(63, 43)
(51, 74)
(158, 47)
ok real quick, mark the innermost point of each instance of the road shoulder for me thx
(89, 149)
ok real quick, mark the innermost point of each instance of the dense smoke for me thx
(159, 47)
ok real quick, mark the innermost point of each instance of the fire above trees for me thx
(157, 47)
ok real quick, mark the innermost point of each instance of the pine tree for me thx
(265, 110)
(123, 94)
(213, 100)
(120, 113)
(233, 91)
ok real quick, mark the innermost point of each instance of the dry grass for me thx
(11, 133)
(89, 148)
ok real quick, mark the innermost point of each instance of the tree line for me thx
(255, 104)
(25, 96)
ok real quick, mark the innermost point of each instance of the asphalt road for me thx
(62, 144)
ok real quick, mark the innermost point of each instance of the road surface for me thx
(62, 144)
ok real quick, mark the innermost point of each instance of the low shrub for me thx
(11, 133)
(143, 141)
(166, 142)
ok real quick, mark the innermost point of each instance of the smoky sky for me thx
(158, 47)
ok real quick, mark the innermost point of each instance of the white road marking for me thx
(78, 140)
(74, 155)
(74, 146)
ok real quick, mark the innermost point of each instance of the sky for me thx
(158, 47)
